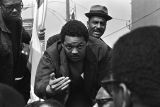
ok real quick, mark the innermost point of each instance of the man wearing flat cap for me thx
(98, 17)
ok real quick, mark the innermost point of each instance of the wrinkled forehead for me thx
(97, 18)
(11, 2)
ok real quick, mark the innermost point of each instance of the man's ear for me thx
(125, 95)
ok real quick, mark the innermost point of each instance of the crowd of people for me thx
(78, 69)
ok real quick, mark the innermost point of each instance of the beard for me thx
(13, 23)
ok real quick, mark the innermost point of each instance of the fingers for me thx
(66, 86)
(56, 81)
(43, 29)
(60, 83)
(41, 33)
(52, 76)
(63, 84)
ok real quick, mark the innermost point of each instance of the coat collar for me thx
(63, 63)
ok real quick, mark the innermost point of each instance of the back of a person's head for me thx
(45, 103)
(9, 97)
(74, 28)
(51, 103)
(136, 62)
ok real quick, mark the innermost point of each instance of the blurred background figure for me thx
(9, 97)
(136, 69)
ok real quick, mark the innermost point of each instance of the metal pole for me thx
(67, 10)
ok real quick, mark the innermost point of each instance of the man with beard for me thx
(13, 69)
(71, 69)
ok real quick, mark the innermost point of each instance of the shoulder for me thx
(99, 48)
(54, 49)
(98, 44)
(53, 39)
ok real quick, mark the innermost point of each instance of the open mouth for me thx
(96, 33)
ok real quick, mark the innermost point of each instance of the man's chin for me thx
(75, 60)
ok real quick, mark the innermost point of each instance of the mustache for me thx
(97, 30)
(75, 55)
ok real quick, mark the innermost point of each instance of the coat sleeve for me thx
(45, 68)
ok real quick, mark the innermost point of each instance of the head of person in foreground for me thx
(136, 69)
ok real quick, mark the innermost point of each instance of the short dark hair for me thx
(74, 28)
(136, 62)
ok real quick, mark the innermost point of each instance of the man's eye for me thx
(69, 47)
(95, 22)
(80, 46)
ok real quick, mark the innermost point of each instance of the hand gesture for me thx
(41, 34)
(58, 84)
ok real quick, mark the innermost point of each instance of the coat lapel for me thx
(63, 64)
(90, 72)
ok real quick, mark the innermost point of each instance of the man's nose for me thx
(74, 51)
(98, 25)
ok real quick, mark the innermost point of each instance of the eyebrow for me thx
(73, 43)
